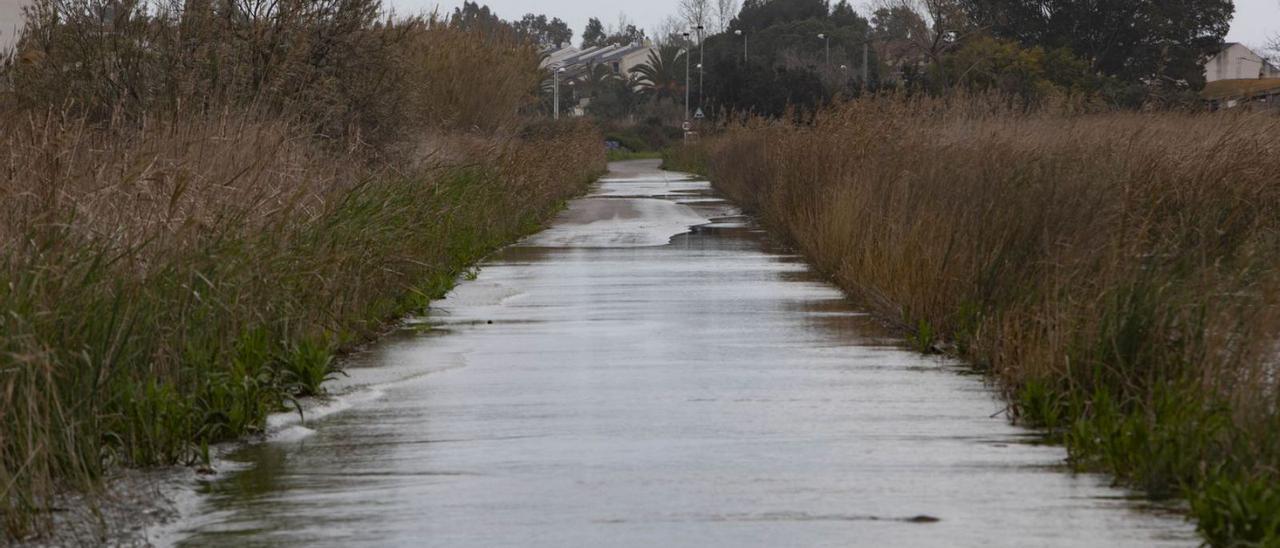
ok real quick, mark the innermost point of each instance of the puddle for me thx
(670, 387)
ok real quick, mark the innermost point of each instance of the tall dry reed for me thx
(1118, 273)
(201, 202)
(345, 69)
(169, 290)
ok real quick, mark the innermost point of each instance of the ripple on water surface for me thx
(661, 376)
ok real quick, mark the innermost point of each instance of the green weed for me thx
(306, 366)
(922, 337)
(1234, 511)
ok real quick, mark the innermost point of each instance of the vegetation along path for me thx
(652, 371)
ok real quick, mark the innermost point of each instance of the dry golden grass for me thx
(1118, 273)
(198, 211)
(163, 289)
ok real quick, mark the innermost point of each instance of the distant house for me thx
(1237, 76)
(1238, 62)
(578, 63)
(619, 58)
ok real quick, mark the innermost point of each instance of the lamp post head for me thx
(738, 32)
(822, 36)
(844, 67)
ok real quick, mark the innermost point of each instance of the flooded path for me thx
(599, 386)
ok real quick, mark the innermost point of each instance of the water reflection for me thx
(706, 392)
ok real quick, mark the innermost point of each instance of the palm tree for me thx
(662, 76)
(599, 77)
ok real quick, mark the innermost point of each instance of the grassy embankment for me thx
(197, 211)
(1118, 274)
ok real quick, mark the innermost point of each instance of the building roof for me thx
(553, 56)
(1234, 89)
(593, 55)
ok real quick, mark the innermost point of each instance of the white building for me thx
(1237, 62)
(619, 58)
(11, 21)
(578, 64)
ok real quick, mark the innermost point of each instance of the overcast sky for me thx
(1255, 19)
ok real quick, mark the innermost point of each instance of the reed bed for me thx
(199, 211)
(1117, 273)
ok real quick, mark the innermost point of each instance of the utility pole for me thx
(744, 44)
(827, 39)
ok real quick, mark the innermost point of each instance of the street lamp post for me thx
(866, 55)
(824, 37)
(687, 54)
(701, 59)
(699, 67)
(744, 44)
(555, 94)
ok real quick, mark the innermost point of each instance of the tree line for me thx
(766, 56)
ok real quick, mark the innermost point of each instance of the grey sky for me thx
(1255, 19)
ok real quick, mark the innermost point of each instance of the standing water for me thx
(651, 371)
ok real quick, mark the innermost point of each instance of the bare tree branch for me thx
(696, 13)
(726, 10)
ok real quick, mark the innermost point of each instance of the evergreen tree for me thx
(1137, 41)
(594, 35)
(552, 32)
